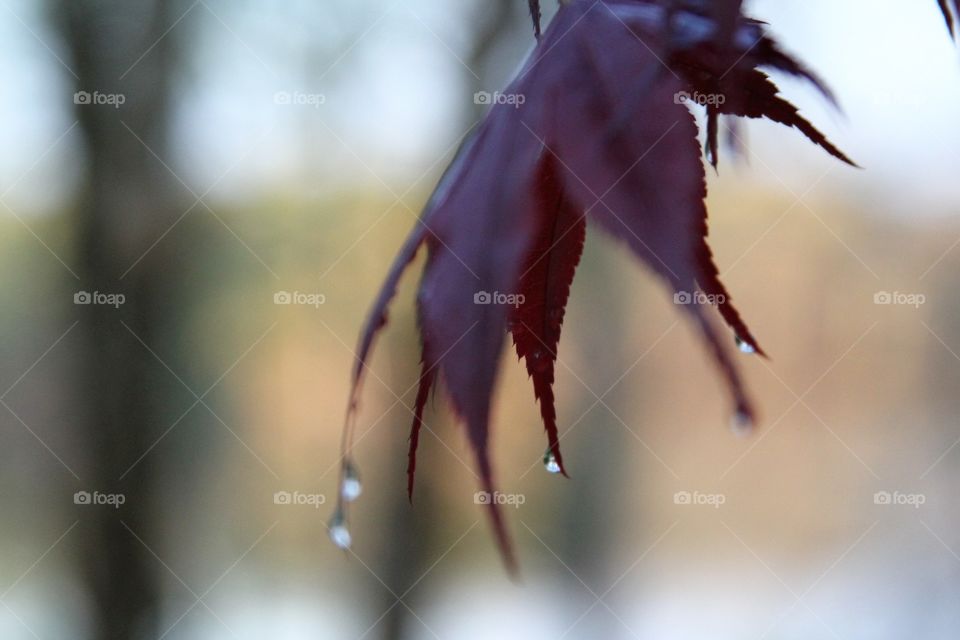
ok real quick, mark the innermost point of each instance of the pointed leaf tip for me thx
(423, 392)
(536, 15)
(948, 16)
(495, 513)
(545, 288)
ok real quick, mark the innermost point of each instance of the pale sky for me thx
(392, 102)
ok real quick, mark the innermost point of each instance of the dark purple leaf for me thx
(535, 14)
(945, 7)
(423, 392)
(545, 287)
(646, 186)
(603, 131)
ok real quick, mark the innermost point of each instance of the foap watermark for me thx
(97, 498)
(702, 99)
(516, 100)
(899, 298)
(300, 298)
(715, 500)
(896, 498)
(510, 299)
(96, 297)
(298, 499)
(115, 100)
(299, 99)
(699, 297)
(499, 498)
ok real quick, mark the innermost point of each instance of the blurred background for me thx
(169, 429)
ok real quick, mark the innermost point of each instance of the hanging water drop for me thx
(550, 462)
(350, 487)
(339, 534)
(744, 346)
(539, 360)
(742, 423)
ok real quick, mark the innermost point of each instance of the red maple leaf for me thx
(597, 127)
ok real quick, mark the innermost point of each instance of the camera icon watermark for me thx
(114, 300)
(96, 498)
(896, 498)
(296, 498)
(115, 100)
(299, 99)
(514, 300)
(499, 498)
(299, 298)
(485, 98)
(699, 297)
(899, 298)
(700, 99)
(696, 498)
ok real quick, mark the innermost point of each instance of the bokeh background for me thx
(266, 147)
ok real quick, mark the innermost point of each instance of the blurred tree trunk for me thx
(591, 516)
(412, 542)
(122, 48)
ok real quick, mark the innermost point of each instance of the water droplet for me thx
(742, 423)
(350, 487)
(744, 346)
(550, 462)
(539, 360)
(339, 534)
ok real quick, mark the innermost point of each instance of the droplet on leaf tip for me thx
(539, 360)
(744, 346)
(350, 486)
(742, 423)
(339, 533)
(550, 462)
